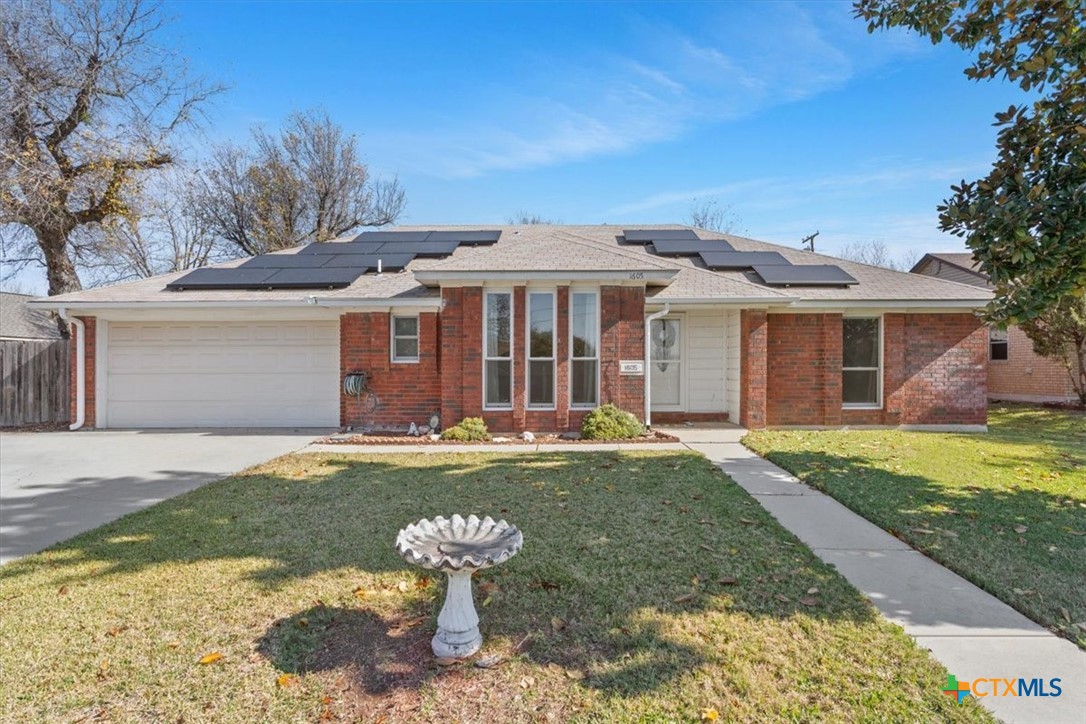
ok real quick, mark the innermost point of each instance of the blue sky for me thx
(789, 112)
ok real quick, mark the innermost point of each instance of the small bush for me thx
(468, 429)
(610, 423)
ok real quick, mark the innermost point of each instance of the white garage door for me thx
(244, 374)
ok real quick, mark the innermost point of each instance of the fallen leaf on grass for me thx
(446, 661)
(1077, 532)
(924, 531)
(727, 580)
(1020, 528)
(423, 582)
(488, 588)
(949, 533)
(1023, 591)
(62, 591)
(686, 597)
(809, 601)
(707, 548)
(210, 658)
(706, 522)
(557, 624)
(575, 674)
(709, 714)
(1066, 614)
(403, 586)
(285, 680)
(116, 630)
(361, 592)
(746, 521)
(812, 591)
(782, 598)
(527, 682)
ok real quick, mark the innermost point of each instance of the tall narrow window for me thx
(997, 344)
(498, 350)
(584, 349)
(405, 339)
(541, 349)
(861, 368)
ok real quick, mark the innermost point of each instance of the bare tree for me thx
(710, 214)
(305, 183)
(166, 233)
(876, 253)
(89, 102)
(525, 218)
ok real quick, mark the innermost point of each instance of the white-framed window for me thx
(584, 349)
(405, 339)
(998, 344)
(861, 357)
(541, 314)
(498, 350)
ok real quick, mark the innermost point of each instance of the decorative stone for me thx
(459, 547)
(413, 430)
(527, 436)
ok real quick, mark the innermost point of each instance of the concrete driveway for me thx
(54, 485)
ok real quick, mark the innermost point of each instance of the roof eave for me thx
(437, 277)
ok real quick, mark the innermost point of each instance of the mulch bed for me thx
(1068, 406)
(36, 427)
(397, 438)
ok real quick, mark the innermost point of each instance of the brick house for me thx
(1015, 371)
(530, 327)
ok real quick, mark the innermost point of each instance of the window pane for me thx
(541, 311)
(583, 387)
(499, 382)
(665, 339)
(583, 321)
(498, 318)
(407, 348)
(541, 383)
(860, 343)
(861, 387)
(998, 351)
(406, 326)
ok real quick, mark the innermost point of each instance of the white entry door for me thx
(222, 374)
(666, 367)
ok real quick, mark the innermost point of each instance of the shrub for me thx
(468, 429)
(610, 423)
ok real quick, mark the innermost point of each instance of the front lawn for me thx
(649, 587)
(1006, 510)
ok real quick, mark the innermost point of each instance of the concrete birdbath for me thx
(459, 547)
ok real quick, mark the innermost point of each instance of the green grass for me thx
(1006, 510)
(650, 587)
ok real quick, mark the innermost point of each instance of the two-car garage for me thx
(219, 374)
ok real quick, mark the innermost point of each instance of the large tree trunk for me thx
(60, 270)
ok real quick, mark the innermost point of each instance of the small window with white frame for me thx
(998, 344)
(584, 349)
(498, 351)
(861, 356)
(405, 339)
(541, 350)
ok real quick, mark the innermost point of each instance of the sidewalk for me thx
(971, 632)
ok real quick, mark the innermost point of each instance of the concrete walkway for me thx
(495, 448)
(972, 633)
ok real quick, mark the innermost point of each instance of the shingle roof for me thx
(549, 248)
(18, 321)
(962, 259)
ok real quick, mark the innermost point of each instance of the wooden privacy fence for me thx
(35, 381)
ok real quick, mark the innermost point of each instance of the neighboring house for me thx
(530, 327)
(1015, 371)
(18, 321)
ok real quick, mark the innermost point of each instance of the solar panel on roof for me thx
(235, 278)
(392, 236)
(480, 237)
(688, 247)
(804, 275)
(389, 262)
(644, 236)
(341, 247)
(419, 248)
(722, 260)
(282, 261)
(313, 278)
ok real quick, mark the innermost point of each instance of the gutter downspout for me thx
(80, 367)
(648, 361)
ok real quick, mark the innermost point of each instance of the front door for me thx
(665, 369)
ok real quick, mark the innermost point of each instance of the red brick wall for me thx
(407, 392)
(753, 340)
(1025, 375)
(934, 371)
(621, 337)
(90, 345)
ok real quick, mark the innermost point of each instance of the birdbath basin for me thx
(459, 547)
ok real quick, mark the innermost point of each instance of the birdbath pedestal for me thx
(459, 547)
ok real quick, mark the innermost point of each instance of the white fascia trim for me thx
(423, 303)
(451, 278)
(918, 305)
(717, 301)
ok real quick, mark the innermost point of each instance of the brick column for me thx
(561, 330)
(830, 360)
(893, 367)
(90, 344)
(520, 358)
(752, 365)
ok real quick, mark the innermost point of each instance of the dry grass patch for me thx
(649, 587)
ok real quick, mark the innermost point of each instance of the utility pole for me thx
(809, 241)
